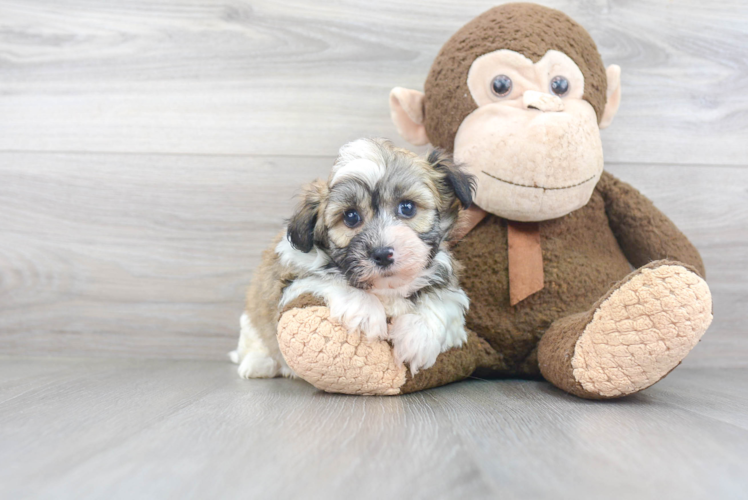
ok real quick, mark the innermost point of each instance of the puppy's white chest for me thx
(396, 305)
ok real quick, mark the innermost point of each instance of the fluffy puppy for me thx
(370, 242)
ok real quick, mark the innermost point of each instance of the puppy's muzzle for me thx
(383, 256)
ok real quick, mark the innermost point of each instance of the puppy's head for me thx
(383, 212)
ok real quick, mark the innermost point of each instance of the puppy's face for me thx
(382, 214)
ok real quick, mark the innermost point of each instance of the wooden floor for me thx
(192, 429)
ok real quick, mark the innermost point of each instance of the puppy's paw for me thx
(415, 342)
(258, 365)
(361, 311)
(234, 356)
(285, 370)
(375, 327)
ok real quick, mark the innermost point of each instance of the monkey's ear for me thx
(406, 110)
(456, 179)
(301, 225)
(613, 95)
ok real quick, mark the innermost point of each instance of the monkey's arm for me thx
(323, 353)
(644, 233)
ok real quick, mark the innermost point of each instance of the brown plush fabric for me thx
(453, 365)
(557, 349)
(581, 258)
(302, 301)
(656, 239)
(531, 30)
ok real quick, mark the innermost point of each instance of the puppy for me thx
(370, 242)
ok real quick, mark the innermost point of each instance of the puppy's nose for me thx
(383, 256)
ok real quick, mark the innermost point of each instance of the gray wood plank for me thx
(136, 254)
(149, 255)
(268, 77)
(719, 393)
(191, 429)
(621, 449)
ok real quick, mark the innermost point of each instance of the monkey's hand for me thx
(323, 352)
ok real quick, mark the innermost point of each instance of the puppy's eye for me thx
(406, 209)
(559, 85)
(501, 85)
(351, 218)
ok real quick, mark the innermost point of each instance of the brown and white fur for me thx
(372, 243)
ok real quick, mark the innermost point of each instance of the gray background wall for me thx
(149, 150)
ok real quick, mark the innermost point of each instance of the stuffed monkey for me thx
(519, 96)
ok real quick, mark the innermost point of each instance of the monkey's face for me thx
(533, 142)
(506, 96)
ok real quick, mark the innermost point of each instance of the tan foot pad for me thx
(324, 354)
(642, 331)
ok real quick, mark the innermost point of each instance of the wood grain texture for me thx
(150, 255)
(133, 254)
(192, 429)
(264, 77)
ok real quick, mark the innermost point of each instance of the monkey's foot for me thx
(633, 337)
(322, 352)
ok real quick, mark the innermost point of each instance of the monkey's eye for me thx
(559, 85)
(406, 209)
(351, 218)
(501, 85)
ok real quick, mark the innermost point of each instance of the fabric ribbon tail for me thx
(525, 260)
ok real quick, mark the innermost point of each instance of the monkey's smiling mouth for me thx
(539, 187)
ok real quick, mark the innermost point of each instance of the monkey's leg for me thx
(632, 337)
(323, 353)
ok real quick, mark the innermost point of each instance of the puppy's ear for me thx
(302, 223)
(460, 182)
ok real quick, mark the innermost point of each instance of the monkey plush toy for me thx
(519, 95)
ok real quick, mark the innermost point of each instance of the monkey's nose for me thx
(383, 256)
(542, 101)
